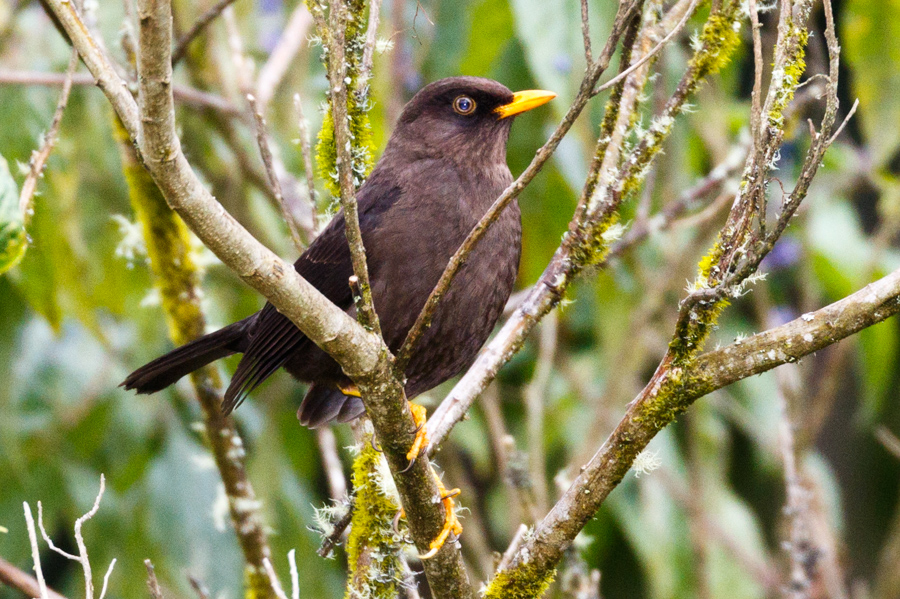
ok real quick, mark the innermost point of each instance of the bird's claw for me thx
(452, 525)
(420, 416)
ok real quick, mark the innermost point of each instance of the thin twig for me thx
(187, 95)
(265, 152)
(39, 157)
(273, 578)
(513, 547)
(334, 538)
(365, 69)
(15, 578)
(306, 152)
(844, 122)
(337, 73)
(331, 463)
(586, 33)
(35, 552)
(152, 583)
(535, 398)
(197, 28)
(646, 57)
(888, 440)
(292, 39)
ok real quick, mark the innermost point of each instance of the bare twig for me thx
(24, 582)
(535, 397)
(586, 33)
(306, 152)
(265, 152)
(365, 68)
(187, 95)
(337, 73)
(35, 552)
(513, 547)
(273, 579)
(292, 39)
(39, 157)
(802, 554)
(649, 55)
(197, 28)
(334, 538)
(843, 124)
(152, 583)
(331, 462)
(888, 440)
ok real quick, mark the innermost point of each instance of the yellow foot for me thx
(420, 415)
(451, 522)
(349, 389)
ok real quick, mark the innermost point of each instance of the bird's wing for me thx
(326, 264)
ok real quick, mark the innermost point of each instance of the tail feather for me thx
(325, 403)
(165, 370)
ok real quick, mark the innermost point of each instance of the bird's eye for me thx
(464, 105)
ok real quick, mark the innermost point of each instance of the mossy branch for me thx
(177, 278)
(720, 275)
(373, 547)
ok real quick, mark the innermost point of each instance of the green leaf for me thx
(13, 240)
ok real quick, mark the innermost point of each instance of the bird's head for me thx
(462, 118)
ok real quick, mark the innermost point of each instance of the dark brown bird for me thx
(442, 168)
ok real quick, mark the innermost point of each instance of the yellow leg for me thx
(420, 416)
(451, 522)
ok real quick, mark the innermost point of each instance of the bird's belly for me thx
(469, 311)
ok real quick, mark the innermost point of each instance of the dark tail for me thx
(165, 370)
(326, 403)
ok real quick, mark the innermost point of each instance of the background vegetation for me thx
(79, 312)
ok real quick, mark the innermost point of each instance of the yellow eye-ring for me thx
(464, 105)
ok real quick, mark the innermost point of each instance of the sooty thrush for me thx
(443, 167)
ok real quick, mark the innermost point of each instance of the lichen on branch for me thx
(362, 147)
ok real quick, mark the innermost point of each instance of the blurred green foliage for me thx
(79, 312)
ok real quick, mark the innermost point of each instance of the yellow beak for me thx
(525, 100)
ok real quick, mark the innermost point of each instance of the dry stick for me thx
(515, 188)
(272, 165)
(188, 95)
(756, 115)
(15, 578)
(39, 157)
(35, 552)
(801, 552)
(265, 152)
(152, 583)
(668, 215)
(337, 73)
(365, 69)
(586, 32)
(197, 28)
(684, 19)
(331, 462)
(535, 396)
(286, 49)
(306, 152)
(334, 538)
(888, 440)
(82, 556)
